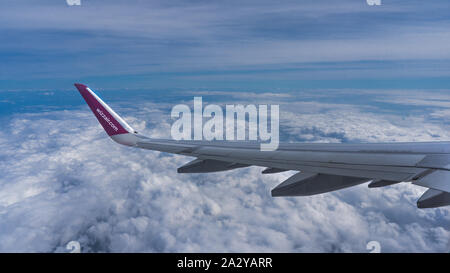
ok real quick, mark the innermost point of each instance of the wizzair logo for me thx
(100, 112)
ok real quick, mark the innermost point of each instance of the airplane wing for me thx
(321, 167)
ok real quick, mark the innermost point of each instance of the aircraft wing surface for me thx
(321, 167)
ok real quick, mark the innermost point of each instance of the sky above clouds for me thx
(341, 71)
(232, 44)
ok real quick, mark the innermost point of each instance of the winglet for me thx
(113, 124)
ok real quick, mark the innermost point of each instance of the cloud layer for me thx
(62, 179)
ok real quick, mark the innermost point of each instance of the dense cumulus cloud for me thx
(62, 179)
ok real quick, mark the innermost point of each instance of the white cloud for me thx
(355, 125)
(64, 180)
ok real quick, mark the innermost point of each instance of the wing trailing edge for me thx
(438, 180)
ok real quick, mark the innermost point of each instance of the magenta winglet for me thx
(102, 112)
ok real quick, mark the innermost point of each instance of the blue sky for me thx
(225, 44)
(341, 71)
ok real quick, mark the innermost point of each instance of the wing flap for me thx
(435, 161)
(380, 159)
(438, 180)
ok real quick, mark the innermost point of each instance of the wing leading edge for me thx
(322, 167)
